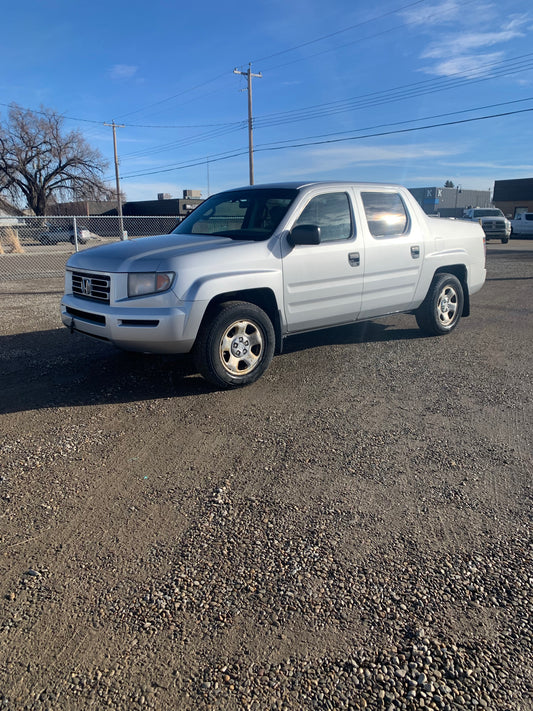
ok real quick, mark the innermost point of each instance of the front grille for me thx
(94, 287)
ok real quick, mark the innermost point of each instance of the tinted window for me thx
(385, 214)
(331, 212)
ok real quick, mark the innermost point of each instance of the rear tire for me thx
(441, 310)
(235, 344)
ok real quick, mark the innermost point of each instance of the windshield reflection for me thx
(249, 214)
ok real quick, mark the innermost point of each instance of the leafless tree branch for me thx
(40, 163)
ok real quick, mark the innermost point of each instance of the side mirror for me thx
(304, 234)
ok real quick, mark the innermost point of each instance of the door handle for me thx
(354, 259)
(415, 251)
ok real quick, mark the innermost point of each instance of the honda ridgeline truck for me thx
(253, 265)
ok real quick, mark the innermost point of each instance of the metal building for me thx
(450, 202)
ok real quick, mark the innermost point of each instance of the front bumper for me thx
(496, 232)
(147, 330)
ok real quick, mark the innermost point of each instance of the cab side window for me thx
(331, 212)
(386, 215)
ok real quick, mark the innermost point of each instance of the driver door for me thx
(323, 282)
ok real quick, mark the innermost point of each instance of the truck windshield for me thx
(249, 214)
(488, 213)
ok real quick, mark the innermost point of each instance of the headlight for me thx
(143, 283)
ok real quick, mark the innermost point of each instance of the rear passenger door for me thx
(394, 253)
(323, 282)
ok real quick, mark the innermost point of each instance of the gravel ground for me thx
(353, 531)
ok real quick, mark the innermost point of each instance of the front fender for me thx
(205, 289)
(209, 286)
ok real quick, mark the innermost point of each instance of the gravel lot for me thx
(353, 531)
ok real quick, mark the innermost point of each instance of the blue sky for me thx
(332, 71)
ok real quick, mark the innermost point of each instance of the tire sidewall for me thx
(207, 351)
(439, 285)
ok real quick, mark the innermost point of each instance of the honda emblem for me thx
(86, 286)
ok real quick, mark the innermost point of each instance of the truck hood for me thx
(146, 254)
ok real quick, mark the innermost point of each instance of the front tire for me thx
(235, 344)
(442, 308)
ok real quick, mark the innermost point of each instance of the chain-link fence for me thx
(38, 247)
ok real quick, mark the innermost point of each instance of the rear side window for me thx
(331, 212)
(385, 214)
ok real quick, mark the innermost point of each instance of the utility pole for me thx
(250, 119)
(119, 201)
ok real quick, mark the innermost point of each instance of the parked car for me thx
(10, 221)
(254, 265)
(54, 233)
(522, 224)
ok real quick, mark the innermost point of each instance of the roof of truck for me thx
(298, 185)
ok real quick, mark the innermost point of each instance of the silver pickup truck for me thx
(253, 265)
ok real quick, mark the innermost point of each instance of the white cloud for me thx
(466, 66)
(458, 52)
(433, 14)
(338, 158)
(123, 71)
(466, 42)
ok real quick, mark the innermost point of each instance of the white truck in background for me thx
(495, 224)
(522, 224)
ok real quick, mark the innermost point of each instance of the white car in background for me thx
(522, 224)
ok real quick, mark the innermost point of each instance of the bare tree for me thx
(42, 164)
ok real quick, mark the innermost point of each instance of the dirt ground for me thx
(352, 531)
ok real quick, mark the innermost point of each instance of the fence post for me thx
(75, 227)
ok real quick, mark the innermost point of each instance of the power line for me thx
(404, 130)
(402, 92)
(183, 142)
(337, 47)
(339, 32)
(214, 159)
(290, 49)
(401, 123)
(503, 68)
(307, 43)
(174, 96)
(421, 88)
